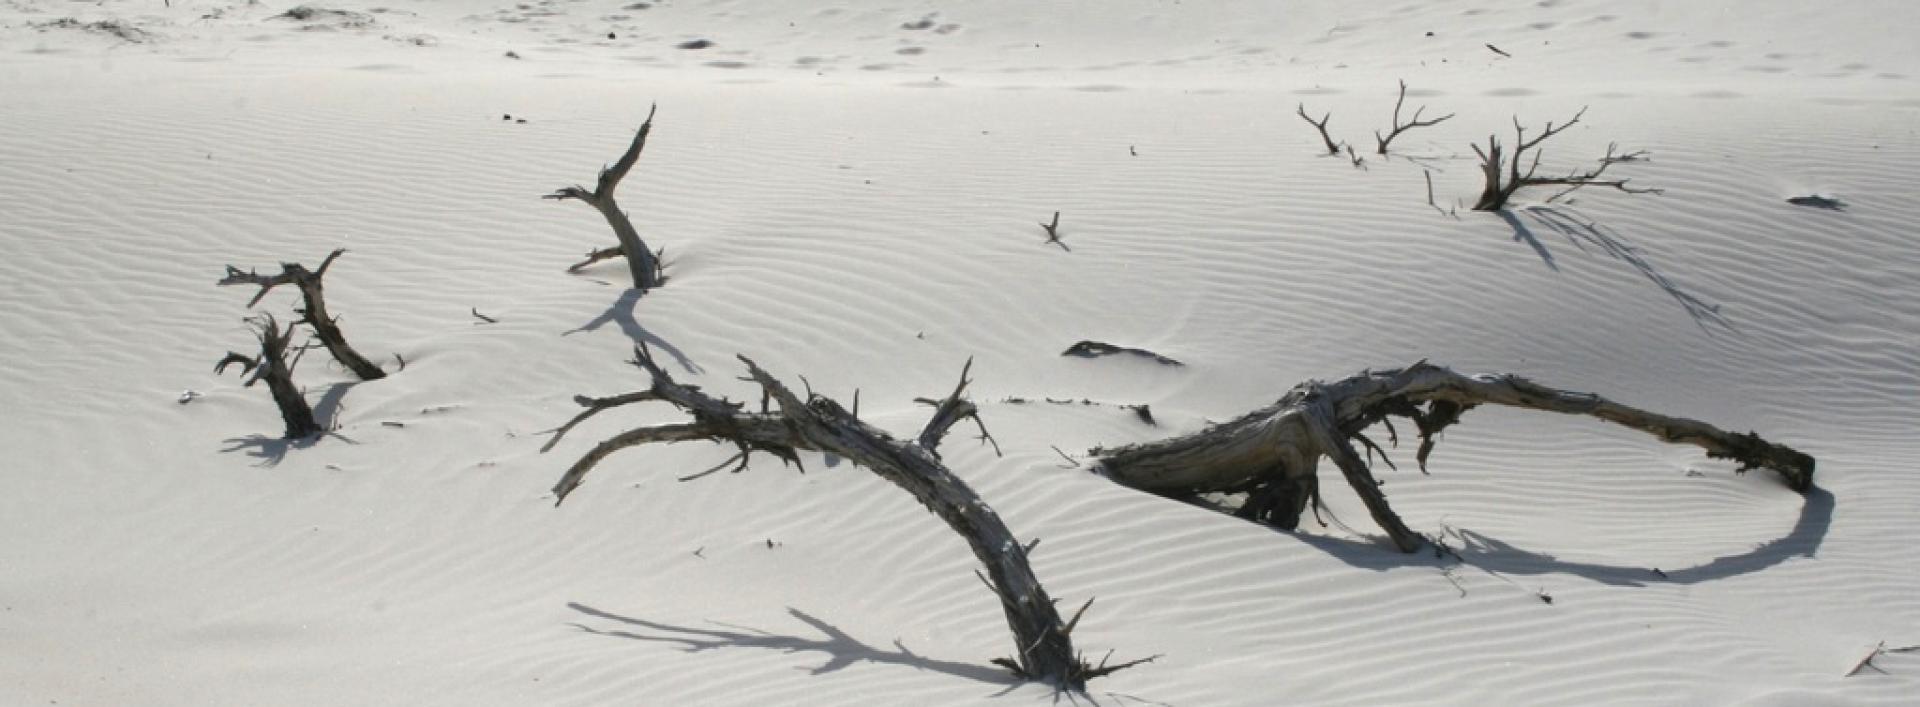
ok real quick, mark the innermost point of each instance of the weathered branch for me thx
(641, 262)
(1333, 148)
(1272, 453)
(1043, 645)
(271, 365)
(313, 311)
(1399, 127)
(1053, 233)
(1503, 177)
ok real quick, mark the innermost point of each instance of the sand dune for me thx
(851, 194)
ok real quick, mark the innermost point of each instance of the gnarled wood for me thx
(1333, 148)
(314, 310)
(272, 366)
(641, 262)
(1272, 454)
(786, 423)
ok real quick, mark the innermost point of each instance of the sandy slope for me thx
(841, 206)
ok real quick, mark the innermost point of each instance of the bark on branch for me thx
(641, 262)
(1272, 454)
(272, 366)
(787, 423)
(1502, 176)
(313, 311)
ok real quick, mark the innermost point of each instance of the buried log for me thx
(313, 310)
(1043, 646)
(1272, 454)
(642, 263)
(272, 366)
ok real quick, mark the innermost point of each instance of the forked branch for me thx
(271, 365)
(1503, 176)
(313, 310)
(1333, 148)
(641, 262)
(1272, 454)
(1399, 127)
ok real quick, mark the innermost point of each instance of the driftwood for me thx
(1272, 454)
(1333, 148)
(1088, 348)
(1042, 642)
(1399, 127)
(272, 366)
(1503, 176)
(314, 312)
(641, 262)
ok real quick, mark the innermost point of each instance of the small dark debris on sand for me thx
(1818, 202)
(1097, 349)
(326, 18)
(116, 28)
(695, 44)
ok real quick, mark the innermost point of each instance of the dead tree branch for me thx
(272, 366)
(1043, 649)
(1503, 176)
(313, 310)
(1272, 454)
(1053, 233)
(1399, 127)
(1333, 148)
(641, 262)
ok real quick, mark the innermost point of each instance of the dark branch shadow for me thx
(621, 312)
(1479, 550)
(332, 403)
(1584, 234)
(273, 450)
(841, 650)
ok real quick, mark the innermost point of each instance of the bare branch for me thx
(1497, 190)
(1333, 148)
(642, 263)
(1399, 127)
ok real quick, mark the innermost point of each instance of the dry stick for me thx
(641, 262)
(271, 365)
(1398, 127)
(1500, 187)
(1053, 232)
(482, 317)
(1333, 148)
(1043, 647)
(1273, 453)
(313, 310)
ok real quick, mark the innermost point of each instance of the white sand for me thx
(854, 201)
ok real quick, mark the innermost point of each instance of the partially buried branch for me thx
(1502, 176)
(272, 366)
(641, 262)
(1272, 454)
(1333, 148)
(1399, 127)
(1043, 647)
(313, 311)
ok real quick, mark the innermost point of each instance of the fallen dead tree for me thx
(1272, 454)
(643, 264)
(272, 366)
(1043, 646)
(313, 311)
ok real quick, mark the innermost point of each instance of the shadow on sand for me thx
(840, 649)
(1501, 558)
(1585, 234)
(273, 450)
(621, 312)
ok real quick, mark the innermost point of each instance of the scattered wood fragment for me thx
(1333, 148)
(641, 262)
(1097, 349)
(272, 366)
(1399, 127)
(1053, 233)
(313, 311)
(1818, 202)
